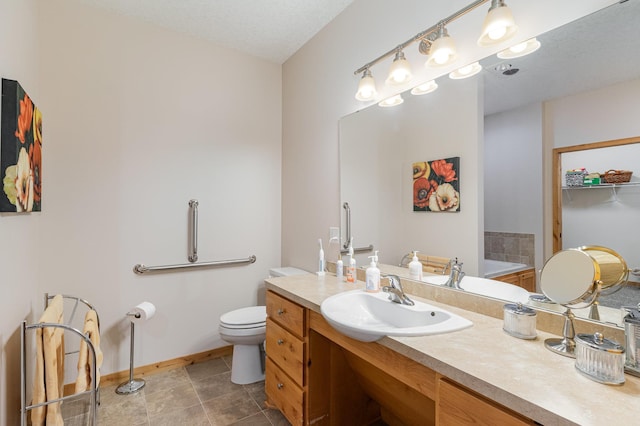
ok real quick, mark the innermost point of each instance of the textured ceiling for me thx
(269, 29)
(597, 50)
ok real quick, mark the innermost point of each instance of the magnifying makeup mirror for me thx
(575, 278)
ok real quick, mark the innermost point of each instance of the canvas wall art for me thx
(436, 185)
(20, 151)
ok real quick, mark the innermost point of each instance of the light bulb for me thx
(400, 71)
(498, 25)
(366, 87)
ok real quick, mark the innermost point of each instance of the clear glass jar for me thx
(600, 359)
(519, 321)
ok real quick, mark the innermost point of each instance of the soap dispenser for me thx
(340, 268)
(351, 269)
(415, 268)
(321, 264)
(373, 275)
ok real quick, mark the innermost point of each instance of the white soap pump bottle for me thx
(373, 275)
(351, 269)
(320, 259)
(415, 268)
(340, 268)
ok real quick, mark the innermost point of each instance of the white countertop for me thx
(520, 374)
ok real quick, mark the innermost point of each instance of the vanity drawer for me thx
(456, 405)
(286, 313)
(286, 350)
(284, 393)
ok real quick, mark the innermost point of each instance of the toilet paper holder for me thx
(146, 310)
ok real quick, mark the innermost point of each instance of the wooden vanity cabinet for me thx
(286, 348)
(316, 375)
(525, 279)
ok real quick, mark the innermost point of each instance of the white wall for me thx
(598, 217)
(137, 121)
(20, 252)
(513, 174)
(318, 89)
(380, 146)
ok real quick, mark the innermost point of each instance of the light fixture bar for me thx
(424, 34)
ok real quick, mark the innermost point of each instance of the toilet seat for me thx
(245, 318)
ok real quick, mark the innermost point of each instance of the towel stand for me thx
(93, 392)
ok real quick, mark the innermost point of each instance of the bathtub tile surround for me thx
(196, 395)
(510, 247)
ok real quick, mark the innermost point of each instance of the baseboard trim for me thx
(159, 367)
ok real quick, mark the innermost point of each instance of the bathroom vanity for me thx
(479, 375)
(525, 278)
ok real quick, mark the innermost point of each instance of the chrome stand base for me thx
(564, 347)
(132, 386)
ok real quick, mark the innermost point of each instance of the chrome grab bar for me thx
(142, 269)
(347, 224)
(193, 231)
(358, 249)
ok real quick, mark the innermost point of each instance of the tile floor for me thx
(197, 395)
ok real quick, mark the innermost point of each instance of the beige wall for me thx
(318, 89)
(137, 121)
(20, 252)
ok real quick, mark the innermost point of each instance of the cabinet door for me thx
(458, 406)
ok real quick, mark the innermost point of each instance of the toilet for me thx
(246, 329)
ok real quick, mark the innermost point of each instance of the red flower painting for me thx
(436, 185)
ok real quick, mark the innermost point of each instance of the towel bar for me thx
(142, 269)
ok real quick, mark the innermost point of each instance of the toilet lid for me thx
(251, 317)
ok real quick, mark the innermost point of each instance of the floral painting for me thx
(20, 151)
(436, 185)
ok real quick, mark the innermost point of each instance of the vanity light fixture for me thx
(466, 71)
(520, 49)
(436, 42)
(443, 49)
(400, 71)
(366, 87)
(391, 102)
(498, 26)
(425, 88)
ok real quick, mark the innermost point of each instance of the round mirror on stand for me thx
(575, 278)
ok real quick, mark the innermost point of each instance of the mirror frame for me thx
(557, 180)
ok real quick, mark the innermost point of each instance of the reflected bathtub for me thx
(496, 268)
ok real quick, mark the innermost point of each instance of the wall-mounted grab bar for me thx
(347, 224)
(358, 249)
(193, 228)
(142, 269)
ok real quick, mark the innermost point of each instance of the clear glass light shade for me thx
(520, 49)
(400, 71)
(442, 52)
(366, 87)
(466, 71)
(392, 101)
(425, 88)
(498, 26)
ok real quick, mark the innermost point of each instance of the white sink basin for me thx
(370, 316)
(485, 287)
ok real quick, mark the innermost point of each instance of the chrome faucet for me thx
(456, 274)
(396, 294)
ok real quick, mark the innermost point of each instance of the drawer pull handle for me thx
(280, 341)
(280, 385)
(280, 311)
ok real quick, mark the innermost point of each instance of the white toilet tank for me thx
(285, 271)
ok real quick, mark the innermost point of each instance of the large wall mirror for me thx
(504, 126)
